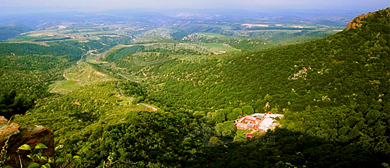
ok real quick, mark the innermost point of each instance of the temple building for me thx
(257, 121)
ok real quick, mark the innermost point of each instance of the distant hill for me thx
(243, 43)
(9, 31)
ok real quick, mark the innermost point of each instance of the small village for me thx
(258, 122)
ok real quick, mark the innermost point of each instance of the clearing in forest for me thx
(78, 76)
(218, 48)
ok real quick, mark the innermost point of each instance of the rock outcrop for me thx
(12, 136)
(357, 22)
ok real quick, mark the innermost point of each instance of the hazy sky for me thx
(99, 5)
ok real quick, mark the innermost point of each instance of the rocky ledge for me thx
(12, 136)
(357, 22)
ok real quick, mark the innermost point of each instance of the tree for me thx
(229, 129)
(236, 113)
(219, 129)
(214, 140)
(248, 110)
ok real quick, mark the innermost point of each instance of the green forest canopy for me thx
(334, 94)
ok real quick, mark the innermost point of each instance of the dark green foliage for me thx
(145, 138)
(219, 116)
(122, 52)
(248, 110)
(56, 49)
(11, 104)
(225, 129)
(111, 42)
(78, 109)
(132, 88)
(235, 114)
(178, 35)
(9, 31)
(291, 148)
(24, 79)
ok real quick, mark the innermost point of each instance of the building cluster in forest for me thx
(257, 121)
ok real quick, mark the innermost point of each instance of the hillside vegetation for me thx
(24, 79)
(334, 89)
(77, 76)
(334, 93)
(9, 31)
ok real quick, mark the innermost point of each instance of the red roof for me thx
(250, 117)
(249, 135)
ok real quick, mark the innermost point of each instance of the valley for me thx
(181, 91)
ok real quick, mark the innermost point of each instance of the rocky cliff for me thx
(357, 22)
(12, 136)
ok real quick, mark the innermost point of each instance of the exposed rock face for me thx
(7, 130)
(357, 22)
(18, 136)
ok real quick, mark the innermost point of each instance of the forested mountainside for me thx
(336, 67)
(24, 79)
(334, 93)
(334, 89)
(55, 49)
(28, 69)
(9, 31)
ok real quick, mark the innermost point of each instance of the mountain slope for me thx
(335, 89)
(285, 72)
(9, 31)
(334, 93)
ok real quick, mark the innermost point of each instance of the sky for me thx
(102, 5)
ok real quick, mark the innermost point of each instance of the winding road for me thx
(131, 99)
(149, 106)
